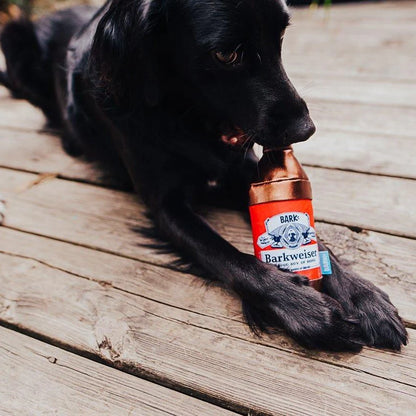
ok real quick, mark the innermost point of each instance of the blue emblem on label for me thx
(326, 267)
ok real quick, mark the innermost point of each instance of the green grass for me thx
(327, 3)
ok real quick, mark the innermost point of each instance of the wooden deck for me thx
(94, 324)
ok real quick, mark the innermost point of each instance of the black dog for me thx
(161, 92)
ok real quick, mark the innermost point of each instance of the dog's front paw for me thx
(313, 319)
(379, 320)
(2, 209)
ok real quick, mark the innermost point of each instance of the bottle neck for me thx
(280, 164)
(281, 178)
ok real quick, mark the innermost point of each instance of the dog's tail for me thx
(4, 80)
(22, 51)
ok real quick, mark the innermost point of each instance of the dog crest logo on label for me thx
(289, 242)
(289, 230)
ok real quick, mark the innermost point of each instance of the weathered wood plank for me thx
(39, 379)
(336, 22)
(374, 62)
(338, 104)
(343, 42)
(362, 65)
(372, 202)
(347, 137)
(347, 111)
(169, 345)
(103, 219)
(19, 114)
(348, 90)
(36, 152)
(215, 310)
(333, 191)
(364, 118)
(357, 151)
(381, 14)
(42, 152)
(361, 152)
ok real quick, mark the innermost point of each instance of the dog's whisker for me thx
(249, 142)
(317, 109)
(308, 86)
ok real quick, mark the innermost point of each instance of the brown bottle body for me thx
(282, 215)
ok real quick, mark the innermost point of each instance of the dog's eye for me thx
(226, 58)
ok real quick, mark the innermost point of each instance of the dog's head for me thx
(225, 55)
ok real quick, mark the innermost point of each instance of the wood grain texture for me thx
(375, 62)
(104, 219)
(362, 152)
(330, 107)
(333, 192)
(171, 345)
(19, 114)
(372, 202)
(373, 45)
(364, 118)
(329, 148)
(39, 379)
(355, 137)
(213, 308)
(349, 90)
(41, 152)
(385, 14)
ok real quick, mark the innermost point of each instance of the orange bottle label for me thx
(284, 235)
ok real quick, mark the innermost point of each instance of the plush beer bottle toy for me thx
(282, 216)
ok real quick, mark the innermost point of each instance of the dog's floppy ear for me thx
(124, 50)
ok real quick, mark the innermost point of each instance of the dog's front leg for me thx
(380, 322)
(271, 298)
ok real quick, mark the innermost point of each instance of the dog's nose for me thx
(300, 130)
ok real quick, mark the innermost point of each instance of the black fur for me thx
(137, 86)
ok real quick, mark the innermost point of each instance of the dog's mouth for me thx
(234, 136)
